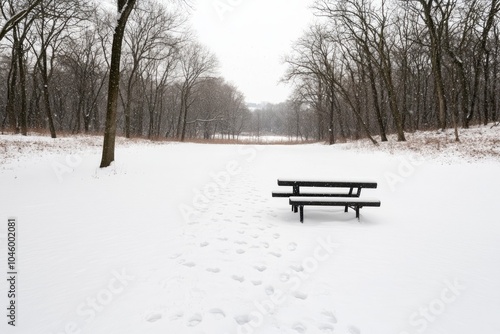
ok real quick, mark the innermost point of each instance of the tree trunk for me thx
(486, 100)
(128, 103)
(391, 91)
(179, 119)
(10, 108)
(46, 94)
(108, 152)
(378, 113)
(22, 83)
(184, 122)
(331, 118)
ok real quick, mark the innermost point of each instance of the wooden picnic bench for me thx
(349, 198)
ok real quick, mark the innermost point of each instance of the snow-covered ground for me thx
(185, 238)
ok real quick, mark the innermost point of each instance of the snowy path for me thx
(236, 247)
(187, 239)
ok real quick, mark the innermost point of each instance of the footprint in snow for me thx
(241, 232)
(204, 244)
(269, 291)
(297, 268)
(195, 320)
(276, 254)
(292, 246)
(240, 279)
(330, 316)
(189, 264)
(299, 327)
(242, 319)
(174, 256)
(153, 317)
(284, 277)
(222, 239)
(276, 236)
(240, 251)
(265, 244)
(260, 268)
(326, 328)
(217, 313)
(256, 283)
(177, 315)
(301, 295)
(255, 236)
(353, 330)
(239, 242)
(213, 270)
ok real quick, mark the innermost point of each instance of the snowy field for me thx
(186, 238)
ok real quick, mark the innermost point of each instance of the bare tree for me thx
(56, 20)
(82, 58)
(436, 15)
(148, 38)
(20, 27)
(196, 62)
(125, 7)
(368, 27)
(316, 54)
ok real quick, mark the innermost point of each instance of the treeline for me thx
(373, 67)
(54, 69)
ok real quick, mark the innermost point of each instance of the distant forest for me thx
(364, 68)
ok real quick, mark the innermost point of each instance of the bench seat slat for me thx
(334, 201)
(355, 203)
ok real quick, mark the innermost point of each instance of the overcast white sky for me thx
(250, 38)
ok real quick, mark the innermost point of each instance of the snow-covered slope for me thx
(185, 238)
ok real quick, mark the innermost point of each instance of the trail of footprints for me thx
(250, 236)
(326, 325)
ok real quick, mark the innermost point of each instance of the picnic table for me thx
(348, 196)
